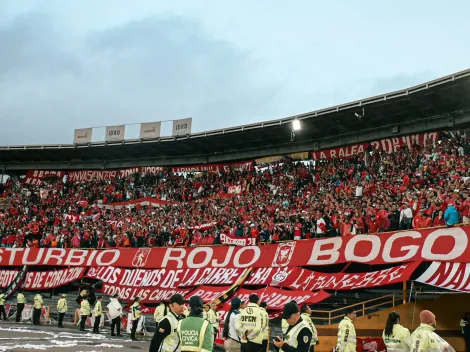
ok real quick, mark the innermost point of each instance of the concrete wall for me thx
(449, 310)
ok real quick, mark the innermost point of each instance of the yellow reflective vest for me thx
(346, 336)
(284, 326)
(424, 339)
(20, 298)
(98, 309)
(292, 337)
(171, 343)
(265, 327)
(2, 299)
(85, 308)
(213, 318)
(62, 305)
(312, 327)
(38, 302)
(250, 324)
(159, 313)
(135, 309)
(399, 340)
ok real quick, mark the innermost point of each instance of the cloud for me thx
(152, 69)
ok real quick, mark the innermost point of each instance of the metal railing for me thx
(361, 308)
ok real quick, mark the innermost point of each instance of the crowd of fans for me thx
(425, 186)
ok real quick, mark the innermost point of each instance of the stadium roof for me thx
(436, 105)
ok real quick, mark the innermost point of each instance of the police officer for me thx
(98, 314)
(347, 333)
(284, 324)
(298, 336)
(250, 326)
(265, 331)
(306, 312)
(424, 338)
(2, 306)
(135, 317)
(166, 338)
(195, 333)
(38, 303)
(160, 312)
(85, 311)
(20, 302)
(395, 336)
(62, 309)
(214, 318)
(205, 312)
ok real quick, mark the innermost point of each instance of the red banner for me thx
(147, 295)
(132, 203)
(307, 280)
(241, 166)
(443, 244)
(35, 177)
(42, 280)
(164, 278)
(237, 241)
(209, 293)
(7, 277)
(389, 145)
(450, 276)
(277, 298)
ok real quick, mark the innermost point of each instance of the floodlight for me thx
(296, 125)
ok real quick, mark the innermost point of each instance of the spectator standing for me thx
(20, 302)
(451, 215)
(406, 217)
(62, 309)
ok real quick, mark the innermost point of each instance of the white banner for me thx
(150, 130)
(235, 189)
(114, 133)
(82, 135)
(182, 127)
(450, 276)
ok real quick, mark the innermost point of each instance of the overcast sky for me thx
(71, 64)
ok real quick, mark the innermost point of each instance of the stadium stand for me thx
(369, 192)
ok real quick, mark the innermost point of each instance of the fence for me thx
(361, 308)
